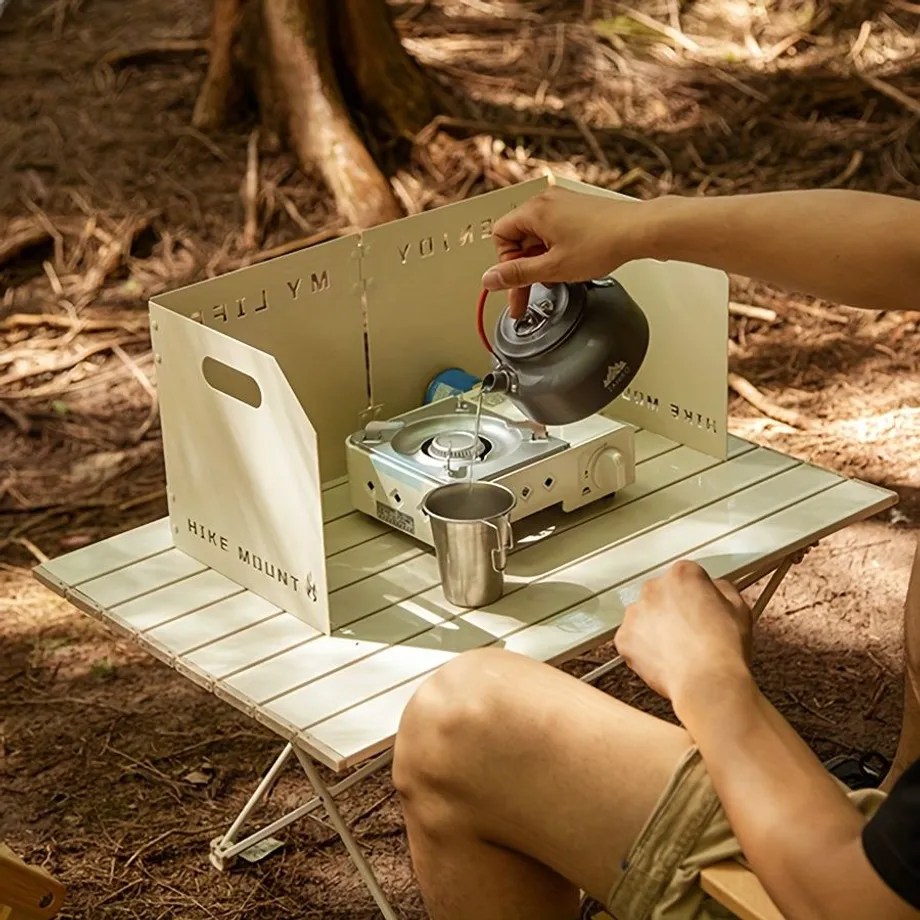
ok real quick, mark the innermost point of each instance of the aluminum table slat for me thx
(339, 697)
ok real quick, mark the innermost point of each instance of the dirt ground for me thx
(114, 771)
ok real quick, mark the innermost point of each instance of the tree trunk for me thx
(311, 64)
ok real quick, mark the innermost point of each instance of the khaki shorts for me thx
(687, 832)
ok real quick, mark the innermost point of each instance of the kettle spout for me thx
(500, 380)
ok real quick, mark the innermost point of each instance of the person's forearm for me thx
(855, 248)
(795, 825)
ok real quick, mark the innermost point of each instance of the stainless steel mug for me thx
(471, 528)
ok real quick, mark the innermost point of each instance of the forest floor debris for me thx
(114, 771)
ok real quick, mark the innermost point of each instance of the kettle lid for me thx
(553, 311)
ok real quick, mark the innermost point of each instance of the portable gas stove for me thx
(393, 464)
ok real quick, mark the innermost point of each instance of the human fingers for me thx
(732, 595)
(742, 614)
(516, 275)
(519, 229)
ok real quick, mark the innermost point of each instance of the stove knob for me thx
(608, 471)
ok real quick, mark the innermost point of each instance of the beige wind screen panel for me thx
(423, 277)
(242, 466)
(681, 390)
(306, 310)
(265, 371)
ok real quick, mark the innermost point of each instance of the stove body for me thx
(393, 464)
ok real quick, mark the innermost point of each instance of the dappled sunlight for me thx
(122, 757)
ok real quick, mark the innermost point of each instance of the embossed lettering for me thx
(264, 304)
(240, 306)
(447, 240)
(208, 535)
(319, 284)
(294, 287)
(197, 317)
(220, 312)
(642, 399)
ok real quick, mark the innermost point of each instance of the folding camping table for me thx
(337, 699)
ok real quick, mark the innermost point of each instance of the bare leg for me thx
(909, 745)
(521, 785)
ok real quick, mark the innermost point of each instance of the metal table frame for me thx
(225, 849)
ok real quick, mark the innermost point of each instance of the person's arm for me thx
(802, 836)
(855, 248)
(797, 829)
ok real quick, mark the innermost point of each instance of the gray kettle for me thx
(577, 348)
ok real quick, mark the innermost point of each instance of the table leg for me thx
(262, 790)
(765, 596)
(338, 822)
(224, 850)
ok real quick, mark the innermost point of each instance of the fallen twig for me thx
(142, 500)
(886, 89)
(376, 806)
(809, 709)
(110, 256)
(77, 324)
(250, 192)
(26, 543)
(751, 312)
(20, 420)
(148, 388)
(180, 46)
(819, 313)
(62, 365)
(21, 234)
(747, 391)
(285, 248)
(150, 843)
(676, 36)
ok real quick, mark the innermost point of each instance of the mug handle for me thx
(505, 542)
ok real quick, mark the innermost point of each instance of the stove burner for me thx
(456, 445)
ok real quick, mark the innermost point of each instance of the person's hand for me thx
(685, 628)
(561, 235)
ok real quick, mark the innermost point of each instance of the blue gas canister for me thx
(451, 382)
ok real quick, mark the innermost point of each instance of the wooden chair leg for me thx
(738, 889)
(27, 892)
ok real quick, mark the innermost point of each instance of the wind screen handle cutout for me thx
(231, 382)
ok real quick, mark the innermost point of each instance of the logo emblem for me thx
(614, 372)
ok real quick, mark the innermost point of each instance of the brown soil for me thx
(114, 771)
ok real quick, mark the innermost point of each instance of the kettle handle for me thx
(481, 321)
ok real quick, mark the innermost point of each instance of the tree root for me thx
(310, 64)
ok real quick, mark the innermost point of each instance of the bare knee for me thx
(455, 713)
